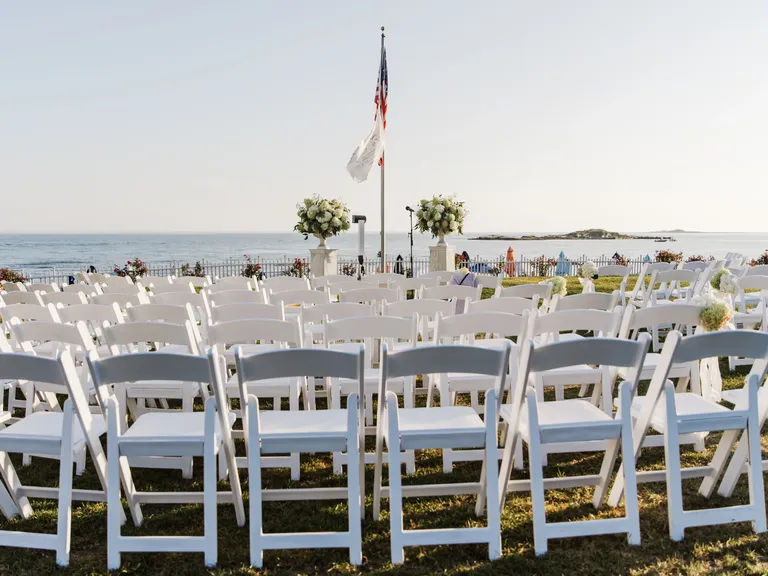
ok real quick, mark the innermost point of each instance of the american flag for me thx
(382, 89)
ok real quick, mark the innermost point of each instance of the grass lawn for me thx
(732, 549)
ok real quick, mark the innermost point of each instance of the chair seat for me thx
(44, 427)
(650, 363)
(168, 434)
(262, 388)
(687, 404)
(297, 424)
(560, 421)
(448, 427)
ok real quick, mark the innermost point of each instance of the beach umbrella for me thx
(563, 266)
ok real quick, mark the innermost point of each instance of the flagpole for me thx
(383, 233)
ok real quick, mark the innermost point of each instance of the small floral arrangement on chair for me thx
(558, 285)
(251, 269)
(197, 270)
(716, 313)
(8, 275)
(588, 270)
(441, 216)
(133, 269)
(322, 217)
(725, 282)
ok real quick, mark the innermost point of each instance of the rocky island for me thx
(589, 234)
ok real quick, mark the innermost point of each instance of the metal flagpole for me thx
(380, 111)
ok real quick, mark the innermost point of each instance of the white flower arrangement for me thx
(725, 282)
(558, 285)
(588, 270)
(715, 313)
(441, 216)
(321, 217)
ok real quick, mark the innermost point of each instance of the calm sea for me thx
(75, 252)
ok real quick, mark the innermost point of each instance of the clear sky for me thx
(546, 115)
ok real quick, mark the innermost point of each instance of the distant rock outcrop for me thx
(589, 234)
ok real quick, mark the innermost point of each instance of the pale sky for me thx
(546, 115)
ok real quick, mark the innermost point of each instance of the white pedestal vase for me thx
(323, 261)
(442, 257)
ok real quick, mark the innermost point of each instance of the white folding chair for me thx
(59, 434)
(670, 286)
(63, 298)
(280, 283)
(332, 430)
(406, 285)
(174, 434)
(42, 287)
(33, 298)
(155, 280)
(171, 288)
(541, 291)
(569, 423)
(509, 305)
(451, 292)
(496, 327)
(430, 428)
(232, 283)
(122, 299)
(345, 335)
(237, 297)
(312, 317)
(166, 313)
(585, 301)
(427, 310)
(270, 335)
(370, 296)
(442, 277)
(246, 311)
(673, 414)
(489, 281)
(638, 293)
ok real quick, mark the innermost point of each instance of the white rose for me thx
(336, 222)
(429, 224)
(324, 226)
(454, 226)
(338, 212)
(461, 212)
(327, 216)
(451, 217)
(440, 208)
(324, 205)
(419, 213)
(311, 212)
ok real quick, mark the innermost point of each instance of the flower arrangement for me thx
(299, 268)
(559, 285)
(8, 275)
(698, 258)
(588, 270)
(251, 269)
(762, 259)
(321, 217)
(543, 265)
(133, 269)
(197, 270)
(620, 259)
(669, 256)
(725, 282)
(715, 313)
(440, 216)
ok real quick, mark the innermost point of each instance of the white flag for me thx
(367, 153)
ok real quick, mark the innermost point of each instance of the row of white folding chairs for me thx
(526, 418)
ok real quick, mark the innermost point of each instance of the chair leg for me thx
(537, 481)
(395, 486)
(11, 479)
(209, 494)
(631, 508)
(64, 523)
(491, 467)
(254, 484)
(335, 393)
(113, 488)
(80, 462)
(354, 495)
(672, 462)
(755, 469)
(722, 453)
(293, 400)
(377, 477)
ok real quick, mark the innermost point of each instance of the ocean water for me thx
(67, 253)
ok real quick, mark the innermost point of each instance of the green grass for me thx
(708, 550)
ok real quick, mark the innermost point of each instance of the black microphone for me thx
(409, 209)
